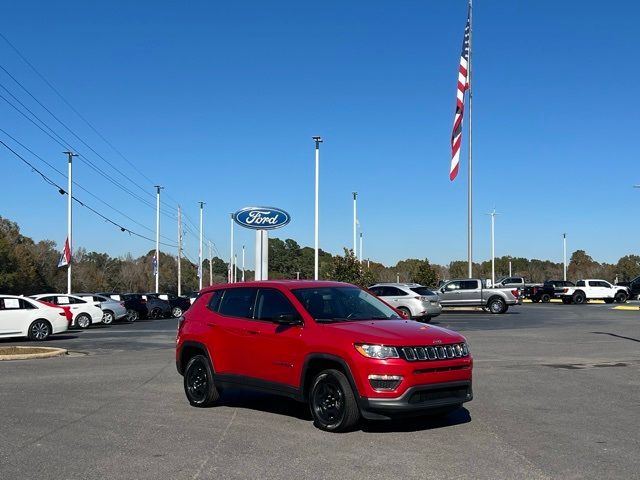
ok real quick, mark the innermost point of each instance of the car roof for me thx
(286, 284)
(394, 284)
(73, 295)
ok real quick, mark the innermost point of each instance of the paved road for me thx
(557, 395)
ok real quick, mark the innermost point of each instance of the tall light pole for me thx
(243, 263)
(210, 265)
(200, 250)
(235, 268)
(179, 251)
(70, 156)
(157, 262)
(564, 255)
(231, 265)
(316, 257)
(493, 246)
(355, 221)
(360, 251)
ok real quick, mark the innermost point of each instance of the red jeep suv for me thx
(333, 345)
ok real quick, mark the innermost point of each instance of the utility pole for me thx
(316, 260)
(179, 251)
(243, 263)
(297, 275)
(210, 265)
(564, 255)
(200, 250)
(355, 221)
(157, 262)
(70, 156)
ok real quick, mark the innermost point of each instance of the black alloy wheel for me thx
(198, 382)
(579, 298)
(108, 317)
(546, 298)
(132, 315)
(332, 402)
(83, 321)
(156, 313)
(621, 297)
(176, 312)
(39, 330)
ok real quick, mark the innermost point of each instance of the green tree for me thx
(425, 274)
(348, 269)
(628, 267)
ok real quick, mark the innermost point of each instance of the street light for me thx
(318, 141)
(493, 246)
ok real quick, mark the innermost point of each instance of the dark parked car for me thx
(548, 290)
(136, 305)
(158, 308)
(633, 286)
(178, 305)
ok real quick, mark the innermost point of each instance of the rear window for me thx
(238, 302)
(422, 291)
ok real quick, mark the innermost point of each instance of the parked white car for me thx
(112, 309)
(84, 313)
(24, 317)
(594, 289)
(413, 299)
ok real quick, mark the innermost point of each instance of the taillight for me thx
(565, 290)
(122, 304)
(422, 299)
(515, 293)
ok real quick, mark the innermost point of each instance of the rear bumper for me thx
(417, 400)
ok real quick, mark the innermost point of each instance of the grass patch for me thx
(22, 350)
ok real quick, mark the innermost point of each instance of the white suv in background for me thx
(594, 289)
(23, 317)
(413, 299)
(84, 313)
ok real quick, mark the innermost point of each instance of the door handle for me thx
(210, 324)
(252, 332)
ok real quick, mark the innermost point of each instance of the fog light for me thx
(385, 382)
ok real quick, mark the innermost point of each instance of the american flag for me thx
(463, 86)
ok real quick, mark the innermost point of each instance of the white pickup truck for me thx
(594, 289)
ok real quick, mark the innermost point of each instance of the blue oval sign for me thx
(261, 218)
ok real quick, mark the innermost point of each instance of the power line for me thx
(74, 198)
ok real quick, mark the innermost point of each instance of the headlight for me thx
(377, 351)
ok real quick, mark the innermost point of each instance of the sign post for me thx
(262, 219)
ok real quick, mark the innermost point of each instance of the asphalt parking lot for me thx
(557, 395)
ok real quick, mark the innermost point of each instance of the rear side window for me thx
(422, 291)
(580, 283)
(469, 285)
(272, 304)
(214, 301)
(238, 302)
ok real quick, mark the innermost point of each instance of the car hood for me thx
(396, 332)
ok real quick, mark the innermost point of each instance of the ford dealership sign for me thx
(261, 218)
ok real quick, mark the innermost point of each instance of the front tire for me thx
(176, 312)
(621, 297)
(546, 298)
(198, 383)
(39, 330)
(497, 305)
(332, 402)
(83, 321)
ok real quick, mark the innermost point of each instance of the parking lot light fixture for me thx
(318, 141)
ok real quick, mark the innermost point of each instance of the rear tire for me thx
(83, 321)
(39, 330)
(176, 312)
(497, 305)
(156, 313)
(579, 298)
(546, 298)
(199, 384)
(132, 316)
(332, 402)
(406, 311)
(108, 317)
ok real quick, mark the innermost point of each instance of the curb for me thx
(52, 352)
(629, 308)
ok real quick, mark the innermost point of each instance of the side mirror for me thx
(287, 319)
(442, 290)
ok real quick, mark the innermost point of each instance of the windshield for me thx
(341, 304)
(423, 291)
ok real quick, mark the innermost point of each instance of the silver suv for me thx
(413, 299)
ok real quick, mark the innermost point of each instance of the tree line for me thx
(29, 267)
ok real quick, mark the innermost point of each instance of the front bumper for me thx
(417, 400)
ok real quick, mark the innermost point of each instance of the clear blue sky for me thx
(217, 101)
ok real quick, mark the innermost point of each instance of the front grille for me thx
(439, 352)
(461, 394)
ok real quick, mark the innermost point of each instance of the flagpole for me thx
(70, 156)
(470, 186)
